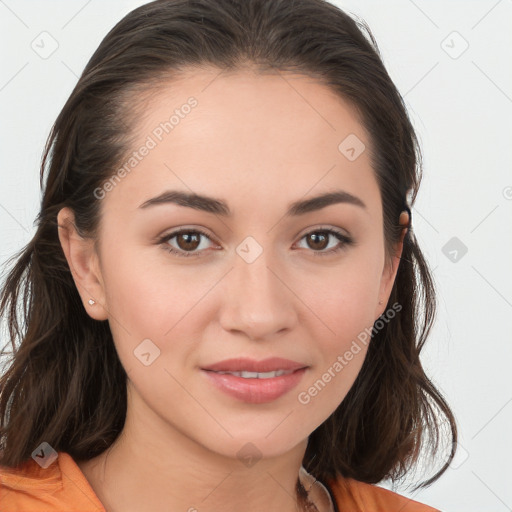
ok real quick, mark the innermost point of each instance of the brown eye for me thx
(318, 241)
(187, 241)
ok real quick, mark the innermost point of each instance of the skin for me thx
(259, 142)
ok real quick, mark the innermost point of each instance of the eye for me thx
(188, 241)
(319, 240)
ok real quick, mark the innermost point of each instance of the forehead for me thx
(209, 130)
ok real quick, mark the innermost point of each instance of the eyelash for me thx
(346, 241)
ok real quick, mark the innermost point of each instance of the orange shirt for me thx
(63, 487)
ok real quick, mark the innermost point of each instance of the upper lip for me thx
(251, 365)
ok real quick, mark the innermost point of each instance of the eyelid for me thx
(176, 231)
(322, 227)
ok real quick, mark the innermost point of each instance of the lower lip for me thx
(255, 391)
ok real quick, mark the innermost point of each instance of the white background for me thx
(461, 106)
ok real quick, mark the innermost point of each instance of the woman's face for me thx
(266, 280)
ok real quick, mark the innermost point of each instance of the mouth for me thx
(255, 387)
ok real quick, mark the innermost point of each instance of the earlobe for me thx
(82, 259)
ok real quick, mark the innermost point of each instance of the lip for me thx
(255, 391)
(251, 365)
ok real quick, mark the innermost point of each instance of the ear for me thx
(83, 262)
(391, 268)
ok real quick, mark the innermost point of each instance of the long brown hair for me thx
(64, 383)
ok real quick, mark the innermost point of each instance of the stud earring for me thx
(92, 302)
(380, 302)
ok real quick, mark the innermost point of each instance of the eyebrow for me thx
(220, 207)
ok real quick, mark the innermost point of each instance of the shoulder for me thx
(354, 496)
(59, 487)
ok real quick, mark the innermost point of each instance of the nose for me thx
(257, 300)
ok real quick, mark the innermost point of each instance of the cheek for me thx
(343, 321)
(343, 303)
(343, 297)
(147, 296)
(157, 302)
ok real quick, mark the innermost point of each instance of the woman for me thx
(224, 303)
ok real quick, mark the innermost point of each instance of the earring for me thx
(92, 302)
(380, 302)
